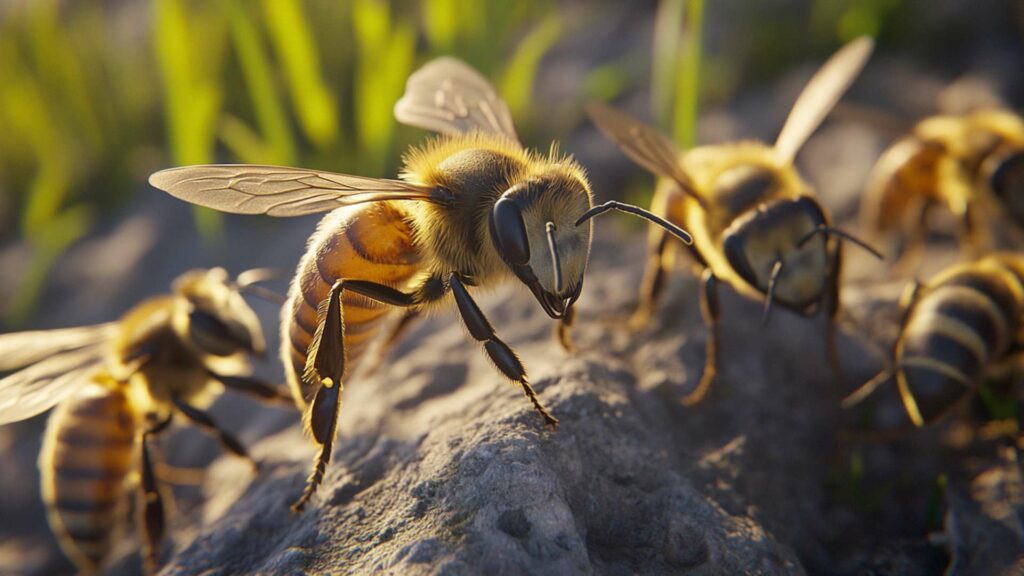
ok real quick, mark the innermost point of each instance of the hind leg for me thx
(325, 365)
(153, 518)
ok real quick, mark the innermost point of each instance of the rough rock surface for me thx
(443, 468)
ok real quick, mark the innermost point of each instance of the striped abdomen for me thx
(956, 329)
(366, 242)
(85, 460)
(906, 176)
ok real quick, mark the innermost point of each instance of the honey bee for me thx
(473, 208)
(116, 385)
(755, 222)
(957, 329)
(972, 164)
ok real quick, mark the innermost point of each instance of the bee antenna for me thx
(636, 211)
(556, 263)
(829, 230)
(776, 272)
(261, 292)
(247, 280)
(254, 275)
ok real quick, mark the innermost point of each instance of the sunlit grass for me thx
(94, 97)
(676, 67)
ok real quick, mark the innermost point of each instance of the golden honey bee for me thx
(473, 208)
(972, 164)
(755, 222)
(116, 385)
(957, 329)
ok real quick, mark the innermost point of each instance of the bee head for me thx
(767, 248)
(782, 249)
(533, 228)
(1004, 173)
(214, 317)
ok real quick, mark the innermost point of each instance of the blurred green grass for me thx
(96, 95)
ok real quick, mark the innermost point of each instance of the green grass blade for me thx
(293, 39)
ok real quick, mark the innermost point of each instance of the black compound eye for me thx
(509, 232)
(211, 334)
(1007, 177)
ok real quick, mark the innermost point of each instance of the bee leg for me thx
(152, 503)
(503, 357)
(563, 327)
(709, 310)
(832, 302)
(397, 331)
(254, 387)
(975, 242)
(210, 426)
(326, 366)
(915, 242)
(655, 275)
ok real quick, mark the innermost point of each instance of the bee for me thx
(957, 329)
(116, 385)
(756, 224)
(472, 209)
(972, 164)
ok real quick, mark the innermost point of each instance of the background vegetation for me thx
(94, 94)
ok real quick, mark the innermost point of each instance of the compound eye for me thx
(210, 334)
(1007, 176)
(509, 232)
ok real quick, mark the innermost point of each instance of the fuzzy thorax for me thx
(477, 169)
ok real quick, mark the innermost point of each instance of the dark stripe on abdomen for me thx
(84, 483)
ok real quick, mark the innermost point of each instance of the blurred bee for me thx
(972, 164)
(473, 208)
(959, 328)
(115, 385)
(755, 222)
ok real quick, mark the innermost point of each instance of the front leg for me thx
(503, 357)
(832, 312)
(563, 327)
(207, 424)
(709, 311)
(264, 391)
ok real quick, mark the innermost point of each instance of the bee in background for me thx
(473, 208)
(956, 330)
(971, 164)
(755, 222)
(117, 385)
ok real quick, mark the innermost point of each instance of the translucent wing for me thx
(43, 385)
(820, 95)
(449, 97)
(280, 191)
(23, 348)
(644, 144)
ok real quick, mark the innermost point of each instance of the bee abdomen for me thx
(370, 242)
(955, 331)
(85, 460)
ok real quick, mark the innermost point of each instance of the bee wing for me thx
(643, 143)
(45, 384)
(820, 95)
(23, 348)
(280, 191)
(449, 97)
